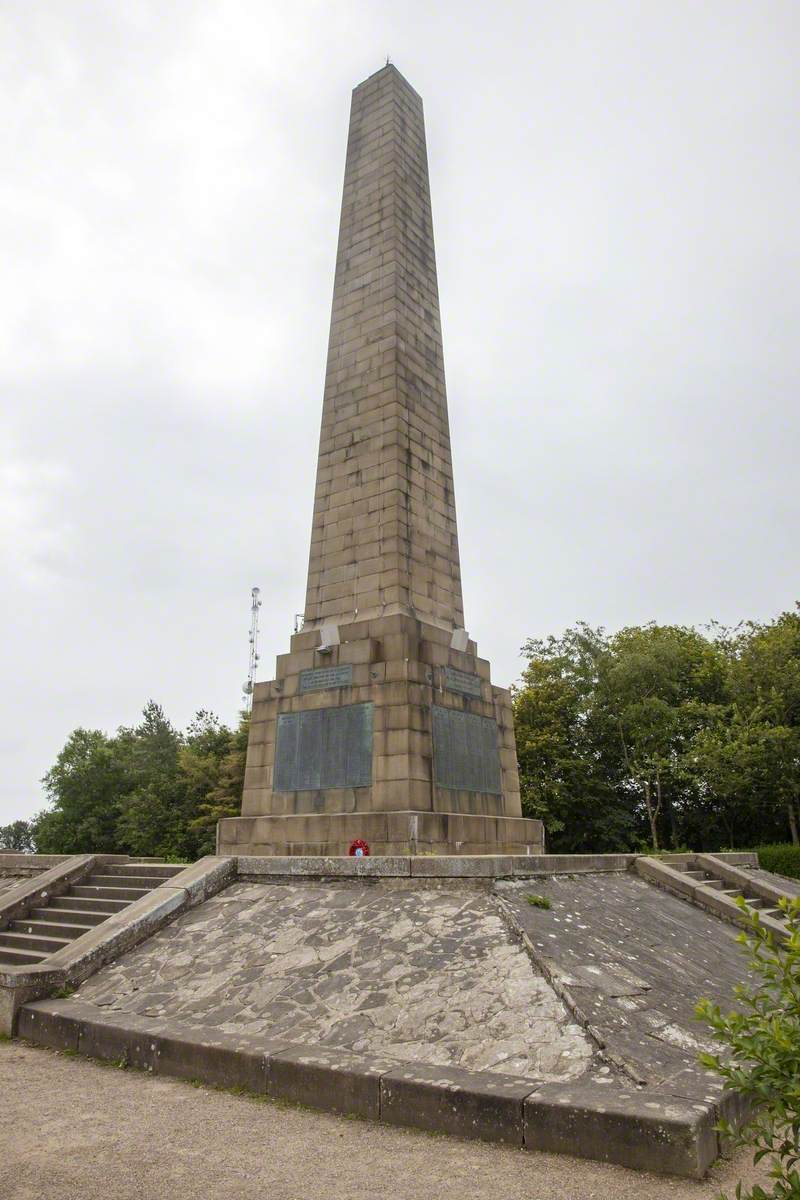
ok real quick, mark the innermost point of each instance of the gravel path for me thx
(80, 1131)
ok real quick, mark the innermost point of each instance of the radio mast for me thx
(247, 687)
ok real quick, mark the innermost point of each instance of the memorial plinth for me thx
(382, 722)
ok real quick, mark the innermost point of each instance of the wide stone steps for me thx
(766, 908)
(83, 906)
(68, 916)
(142, 883)
(33, 941)
(46, 927)
(93, 891)
(19, 958)
(150, 871)
(95, 904)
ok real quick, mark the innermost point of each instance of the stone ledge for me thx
(471, 1104)
(644, 1129)
(428, 866)
(647, 1130)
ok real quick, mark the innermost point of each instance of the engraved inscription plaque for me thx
(462, 682)
(465, 754)
(324, 748)
(320, 678)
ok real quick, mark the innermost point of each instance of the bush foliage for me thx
(783, 859)
(761, 1055)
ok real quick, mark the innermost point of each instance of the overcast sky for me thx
(616, 188)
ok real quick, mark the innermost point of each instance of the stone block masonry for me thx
(384, 529)
(382, 723)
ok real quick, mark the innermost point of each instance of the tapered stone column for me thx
(382, 723)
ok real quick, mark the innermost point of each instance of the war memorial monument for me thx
(382, 724)
(455, 978)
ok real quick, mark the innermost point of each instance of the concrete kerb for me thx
(76, 962)
(645, 1130)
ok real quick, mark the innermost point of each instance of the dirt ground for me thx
(77, 1130)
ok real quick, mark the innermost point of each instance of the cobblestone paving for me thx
(422, 974)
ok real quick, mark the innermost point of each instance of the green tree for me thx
(150, 817)
(150, 790)
(85, 786)
(568, 757)
(765, 679)
(224, 783)
(17, 836)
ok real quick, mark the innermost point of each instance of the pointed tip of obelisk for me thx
(388, 69)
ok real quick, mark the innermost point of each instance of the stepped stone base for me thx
(384, 832)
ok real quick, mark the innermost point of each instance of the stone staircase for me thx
(710, 879)
(41, 931)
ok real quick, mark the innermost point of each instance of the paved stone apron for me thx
(419, 973)
(635, 960)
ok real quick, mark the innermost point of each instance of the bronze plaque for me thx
(318, 679)
(324, 748)
(462, 682)
(465, 754)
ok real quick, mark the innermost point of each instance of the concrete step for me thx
(93, 904)
(20, 958)
(144, 882)
(68, 916)
(31, 941)
(90, 891)
(160, 871)
(46, 928)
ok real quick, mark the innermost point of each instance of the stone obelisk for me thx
(382, 724)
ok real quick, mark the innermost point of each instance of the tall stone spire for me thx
(382, 723)
(384, 532)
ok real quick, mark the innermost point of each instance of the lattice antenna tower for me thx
(247, 688)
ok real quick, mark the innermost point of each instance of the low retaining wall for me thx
(639, 1128)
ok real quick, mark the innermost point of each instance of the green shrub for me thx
(782, 859)
(538, 901)
(760, 1058)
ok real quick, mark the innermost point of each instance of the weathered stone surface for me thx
(385, 967)
(325, 867)
(45, 1023)
(649, 1131)
(228, 1060)
(129, 1041)
(326, 1077)
(468, 1104)
(391, 833)
(459, 866)
(633, 961)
